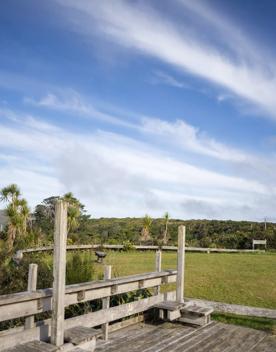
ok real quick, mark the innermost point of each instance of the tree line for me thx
(28, 229)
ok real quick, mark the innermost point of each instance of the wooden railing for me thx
(23, 304)
(27, 304)
(20, 253)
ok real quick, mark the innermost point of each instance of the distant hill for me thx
(201, 233)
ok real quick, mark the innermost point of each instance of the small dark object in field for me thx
(100, 256)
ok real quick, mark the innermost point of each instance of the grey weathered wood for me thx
(32, 282)
(197, 310)
(158, 267)
(169, 305)
(180, 264)
(60, 238)
(80, 334)
(106, 301)
(26, 303)
(235, 308)
(33, 346)
(215, 337)
(42, 330)
(177, 338)
(114, 313)
(20, 253)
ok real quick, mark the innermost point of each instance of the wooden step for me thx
(192, 319)
(33, 346)
(170, 305)
(197, 310)
(170, 310)
(80, 334)
(196, 315)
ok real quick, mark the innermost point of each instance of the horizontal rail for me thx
(42, 330)
(24, 304)
(238, 309)
(21, 252)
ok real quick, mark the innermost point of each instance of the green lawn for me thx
(248, 279)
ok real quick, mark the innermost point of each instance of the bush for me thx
(128, 246)
(80, 268)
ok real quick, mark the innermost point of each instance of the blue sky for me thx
(141, 106)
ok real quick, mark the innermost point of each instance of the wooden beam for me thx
(11, 337)
(32, 282)
(106, 301)
(238, 309)
(180, 264)
(42, 331)
(28, 303)
(60, 239)
(158, 264)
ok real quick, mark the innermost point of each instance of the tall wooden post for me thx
(106, 301)
(32, 282)
(60, 237)
(158, 263)
(180, 264)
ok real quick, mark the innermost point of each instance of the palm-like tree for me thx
(74, 211)
(10, 194)
(165, 236)
(17, 211)
(14, 224)
(24, 211)
(147, 221)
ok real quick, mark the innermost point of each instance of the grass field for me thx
(248, 279)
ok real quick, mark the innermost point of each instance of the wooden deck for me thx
(215, 337)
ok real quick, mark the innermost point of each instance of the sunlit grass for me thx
(247, 279)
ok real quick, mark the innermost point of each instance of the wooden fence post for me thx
(180, 264)
(106, 301)
(32, 282)
(60, 238)
(158, 263)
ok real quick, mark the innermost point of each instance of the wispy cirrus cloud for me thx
(140, 27)
(179, 133)
(191, 138)
(73, 103)
(179, 137)
(160, 77)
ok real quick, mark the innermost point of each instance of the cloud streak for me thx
(73, 104)
(142, 28)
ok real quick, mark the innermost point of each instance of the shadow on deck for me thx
(177, 338)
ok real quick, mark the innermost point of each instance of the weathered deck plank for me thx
(215, 337)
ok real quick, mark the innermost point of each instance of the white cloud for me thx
(141, 28)
(190, 138)
(120, 176)
(73, 103)
(179, 133)
(178, 136)
(160, 77)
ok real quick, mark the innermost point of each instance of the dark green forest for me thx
(26, 229)
(200, 233)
